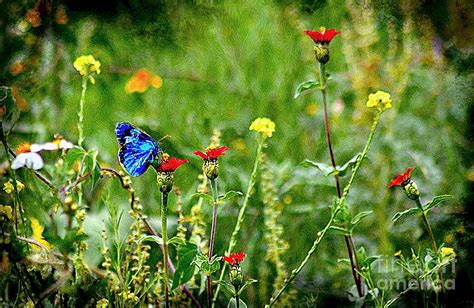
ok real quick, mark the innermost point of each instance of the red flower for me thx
(234, 258)
(170, 164)
(322, 36)
(401, 178)
(212, 152)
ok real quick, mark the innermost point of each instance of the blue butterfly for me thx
(137, 149)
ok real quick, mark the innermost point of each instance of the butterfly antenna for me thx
(164, 137)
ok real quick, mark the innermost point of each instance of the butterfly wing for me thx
(137, 149)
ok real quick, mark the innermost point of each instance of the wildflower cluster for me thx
(264, 126)
(86, 66)
(380, 101)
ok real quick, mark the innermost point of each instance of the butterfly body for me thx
(137, 149)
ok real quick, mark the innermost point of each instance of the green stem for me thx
(435, 248)
(212, 239)
(240, 218)
(348, 239)
(335, 211)
(80, 124)
(164, 214)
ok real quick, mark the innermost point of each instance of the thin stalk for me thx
(237, 300)
(335, 211)
(212, 239)
(80, 124)
(240, 218)
(164, 214)
(348, 239)
(433, 245)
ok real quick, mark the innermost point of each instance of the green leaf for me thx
(228, 288)
(369, 260)
(338, 230)
(185, 269)
(304, 87)
(324, 168)
(203, 196)
(406, 213)
(229, 195)
(436, 200)
(343, 216)
(233, 303)
(151, 238)
(73, 155)
(342, 170)
(176, 241)
(247, 284)
(344, 261)
(357, 218)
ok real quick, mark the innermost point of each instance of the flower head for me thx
(447, 251)
(212, 152)
(142, 80)
(86, 65)
(400, 179)
(170, 164)
(379, 100)
(6, 212)
(404, 180)
(165, 170)
(38, 229)
(59, 143)
(322, 36)
(211, 165)
(265, 126)
(9, 188)
(234, 259)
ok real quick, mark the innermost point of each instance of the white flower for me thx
(51, 146)
(29, 160)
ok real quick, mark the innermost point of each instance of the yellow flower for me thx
(38, 234)
(265, 126)
(447, 251)
(7, 211)
(86, 65)
(8, 186)
(379, 100)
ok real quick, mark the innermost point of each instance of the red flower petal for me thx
(322, 37)
(330, 34)
(199, 153)
(214, 153)
(171, 164)
(234, 258)
(399, 179)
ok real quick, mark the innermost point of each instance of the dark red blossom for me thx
(401, 178)
(212, 152)
(170, 164)
(323, 36)
(234, 258)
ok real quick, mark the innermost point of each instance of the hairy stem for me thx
(348, 239)
(240, 218)
(335, 211)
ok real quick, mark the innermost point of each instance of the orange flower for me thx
(142, 80)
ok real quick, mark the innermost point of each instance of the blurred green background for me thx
(224, 64)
